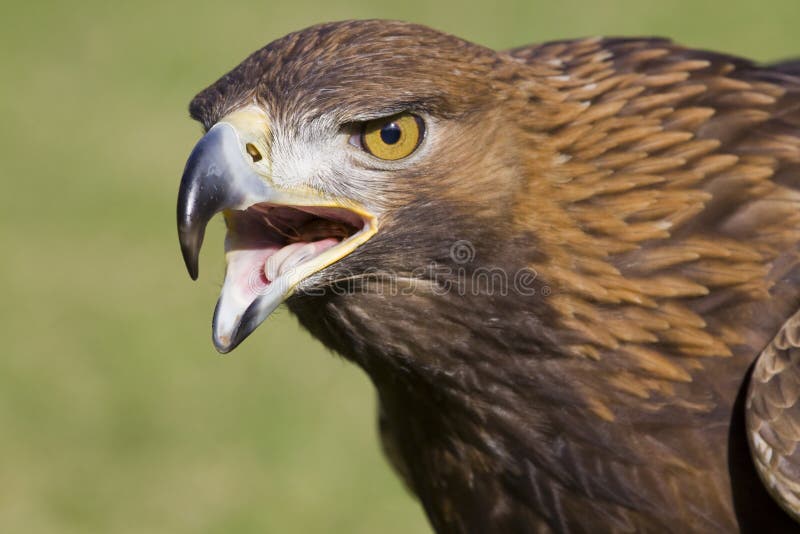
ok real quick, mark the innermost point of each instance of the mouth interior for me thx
(270, 249)
(266, 242)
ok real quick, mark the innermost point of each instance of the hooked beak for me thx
(277, 236)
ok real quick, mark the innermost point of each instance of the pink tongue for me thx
(324, 244)
(293, 255)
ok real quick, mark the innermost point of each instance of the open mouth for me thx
(278, 234)
(269, 250)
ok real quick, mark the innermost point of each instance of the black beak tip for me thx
(190, 249)
(191, 266)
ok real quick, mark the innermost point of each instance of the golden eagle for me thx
(571, 269)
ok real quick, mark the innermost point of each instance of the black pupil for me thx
(390, 134)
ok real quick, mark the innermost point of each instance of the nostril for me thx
(253, 151)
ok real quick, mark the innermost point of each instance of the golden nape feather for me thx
(673, 178)
(558, 264)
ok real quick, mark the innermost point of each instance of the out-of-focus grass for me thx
(116, 413)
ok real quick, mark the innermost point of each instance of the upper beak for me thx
(222, 175)
(216, 178)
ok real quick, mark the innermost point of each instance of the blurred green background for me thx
(116, 414)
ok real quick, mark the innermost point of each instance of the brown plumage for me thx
(651, 192)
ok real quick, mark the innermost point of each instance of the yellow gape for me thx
(394, 137)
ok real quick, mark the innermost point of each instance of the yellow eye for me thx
(394, 137)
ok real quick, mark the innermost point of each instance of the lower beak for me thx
(221, 176)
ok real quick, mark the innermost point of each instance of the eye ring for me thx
(392, 138)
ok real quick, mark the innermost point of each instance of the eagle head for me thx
(348, 156)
